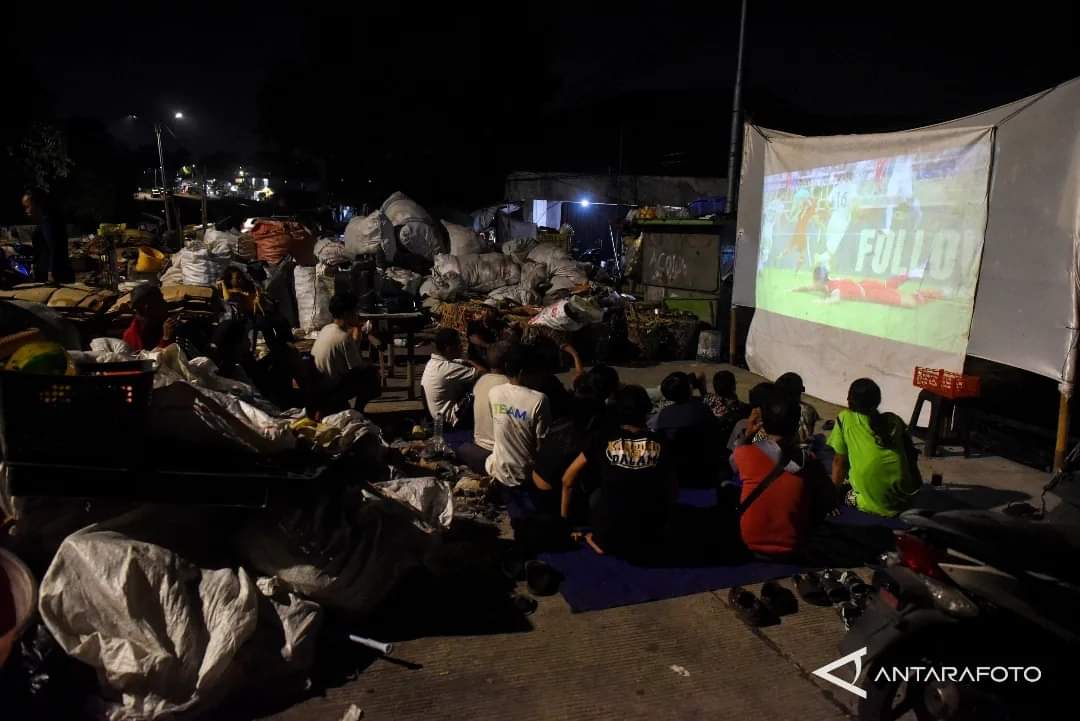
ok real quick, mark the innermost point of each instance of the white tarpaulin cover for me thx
(1025, 306)
(167, 638)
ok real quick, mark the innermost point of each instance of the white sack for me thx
(554, 316)
(367, 235)
(481, 273)
(331, 251)
(200, 266)
(109, 345)
(313, 290)
(446, 288)
(401, 209)
(463, 241)
(519, 249)
(420, 238)
(221, 242)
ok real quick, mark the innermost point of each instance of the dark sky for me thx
(451, 92)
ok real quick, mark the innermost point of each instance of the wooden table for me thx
(407, 323)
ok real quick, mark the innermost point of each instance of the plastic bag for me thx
(431, 498)
(339, 550)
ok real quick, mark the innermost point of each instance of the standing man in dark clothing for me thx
(51, 261)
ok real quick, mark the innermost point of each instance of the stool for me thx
(948, 420)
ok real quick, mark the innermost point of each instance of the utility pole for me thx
(733, 151)
(164, 181)
(202, 174)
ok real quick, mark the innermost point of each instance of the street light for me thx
(179, 115)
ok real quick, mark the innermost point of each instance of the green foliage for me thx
(41, 156)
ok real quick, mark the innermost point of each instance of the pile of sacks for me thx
(172, 617)
(402, 232)
(524, 272)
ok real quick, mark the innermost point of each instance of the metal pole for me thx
(202, 169)
(1061, 446)
(733, 151)
(733, 338)
(164, 182)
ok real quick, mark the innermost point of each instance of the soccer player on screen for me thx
(867, 290)
(803, 210)
(841, 207)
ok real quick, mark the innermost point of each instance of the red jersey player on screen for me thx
(868, 290)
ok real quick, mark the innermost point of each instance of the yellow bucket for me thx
(151, 260)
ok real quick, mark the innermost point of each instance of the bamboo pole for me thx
(1061, 446)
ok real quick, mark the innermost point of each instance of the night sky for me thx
(443, 102)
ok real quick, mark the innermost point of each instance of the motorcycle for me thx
(975, 616)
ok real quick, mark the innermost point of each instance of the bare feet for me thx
(593, 545)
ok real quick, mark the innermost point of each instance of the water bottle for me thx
(438, 443)
(437, 434)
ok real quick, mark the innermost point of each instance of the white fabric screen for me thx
(868, 256)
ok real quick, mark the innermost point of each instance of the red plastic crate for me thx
(946, 383)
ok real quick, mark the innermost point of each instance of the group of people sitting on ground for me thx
(601, 459)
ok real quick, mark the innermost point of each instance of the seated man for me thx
(344, 377)
(151, 327)
(567, 438)
(690, 428)
(788, 490)
(749, 430)
(542, 379)
(520, 419)
(475, 454)
(637, 484)
(724, 401)
(484, 332)
(792, 384)
(448, 381)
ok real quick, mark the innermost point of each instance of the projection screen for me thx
(885, 243)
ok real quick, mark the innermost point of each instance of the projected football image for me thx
(888, 246)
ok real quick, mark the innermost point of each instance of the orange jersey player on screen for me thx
(804, 209)
(868, 290)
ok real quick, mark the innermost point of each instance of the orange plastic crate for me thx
(946, 383)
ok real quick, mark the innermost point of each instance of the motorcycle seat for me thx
(1015, 544)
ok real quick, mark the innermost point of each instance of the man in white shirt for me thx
(521, 418)
(475, 454)
(448, 380)
(343, 373)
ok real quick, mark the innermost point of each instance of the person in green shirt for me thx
(874, 452)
